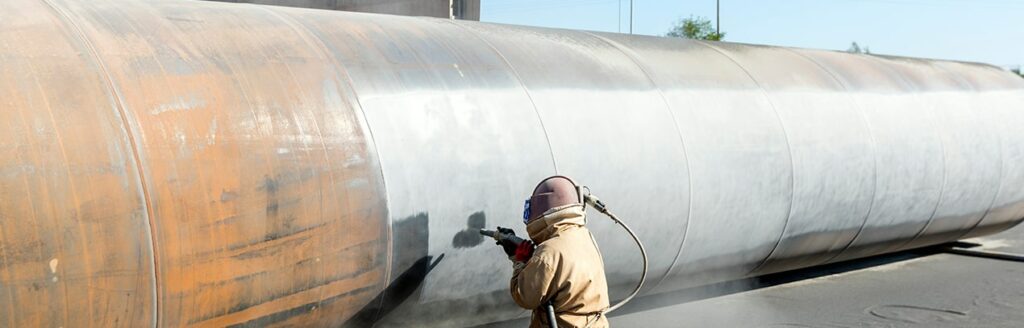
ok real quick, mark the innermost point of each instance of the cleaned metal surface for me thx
(177, 163)
(593, 140)
(908, 162)
(972, 158)
(737, 153)
(832, 154)
(458, 138)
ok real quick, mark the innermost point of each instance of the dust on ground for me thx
(939, 290)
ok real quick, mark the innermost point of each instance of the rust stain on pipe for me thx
(183, 163)
(265, 193)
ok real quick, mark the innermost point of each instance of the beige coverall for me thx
(567, 265)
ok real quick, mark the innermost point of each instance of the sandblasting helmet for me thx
(551, 192)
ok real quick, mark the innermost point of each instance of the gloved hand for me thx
(517, 249)
(509, 242)
(523, 252)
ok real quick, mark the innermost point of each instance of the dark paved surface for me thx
(937, 290)
(1008, 241)
(913, 289)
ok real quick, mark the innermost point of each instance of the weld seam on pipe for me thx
(789, 149)
(130, 134)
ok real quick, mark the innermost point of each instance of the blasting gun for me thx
(514, 246)
(503, 234)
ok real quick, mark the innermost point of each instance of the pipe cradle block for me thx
(177, 163)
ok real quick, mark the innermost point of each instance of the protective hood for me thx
(552, 192)
(556, 220)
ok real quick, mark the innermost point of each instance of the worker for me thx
(560, 263)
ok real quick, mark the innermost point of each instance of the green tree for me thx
(1017, 70)
(856, 49)
(695, 27)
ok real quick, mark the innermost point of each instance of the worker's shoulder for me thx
(567, 241)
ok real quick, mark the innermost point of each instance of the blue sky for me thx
(990, 31)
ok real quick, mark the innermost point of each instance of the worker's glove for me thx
(509, 241)
(517, 249)
(524, 251)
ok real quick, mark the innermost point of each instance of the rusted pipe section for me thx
(177, 164)
(184, 163)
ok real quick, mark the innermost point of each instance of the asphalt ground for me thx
(924, 288)
(920, 288)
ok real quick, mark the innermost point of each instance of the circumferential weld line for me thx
(937, 124)
(522, 84)
(682, 141)
(1002, 160)
(874, 150)
(371, 144)
(789, 149)
(301, 32)
(129, 132)
(942, 147)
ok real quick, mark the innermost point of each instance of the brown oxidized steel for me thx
(210, 173)
(183, 163)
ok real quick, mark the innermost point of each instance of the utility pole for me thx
(718, 17)
(630, 16)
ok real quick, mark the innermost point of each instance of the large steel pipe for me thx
(179, 163)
